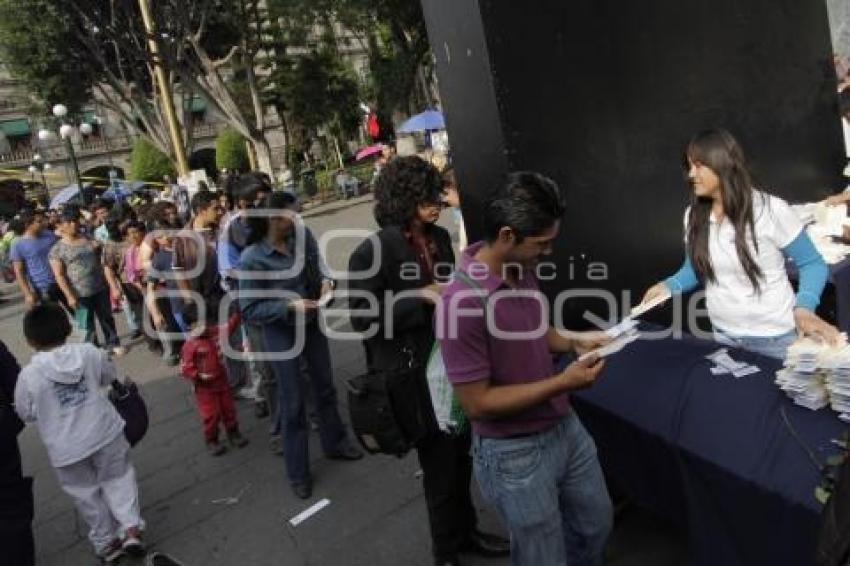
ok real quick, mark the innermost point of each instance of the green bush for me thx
(230, 151)
(325, 180)
(363, 172)
(147, 163)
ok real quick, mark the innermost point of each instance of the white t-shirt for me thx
(733, 304)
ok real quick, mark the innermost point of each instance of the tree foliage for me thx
(40, 51)
(230, 151)
(147, 163)
(393, 33)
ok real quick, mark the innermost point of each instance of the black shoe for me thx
(215, 448)
(276, 445)
(302, 490)
(236, 439)
(135, 335)
(487, 545)
(346, 452)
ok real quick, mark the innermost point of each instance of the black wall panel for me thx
(602, 95)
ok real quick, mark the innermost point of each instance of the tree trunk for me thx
(284, 122)
(263, 151)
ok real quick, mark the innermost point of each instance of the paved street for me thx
(234, 510)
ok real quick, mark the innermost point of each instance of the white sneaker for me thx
(132, 543)
(246, 393)
(118, 351)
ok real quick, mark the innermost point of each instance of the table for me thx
(711, 453)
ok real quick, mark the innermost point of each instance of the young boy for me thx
(60, 389)
(201, 363)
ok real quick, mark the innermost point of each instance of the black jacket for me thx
(10, 424)
(412, 324)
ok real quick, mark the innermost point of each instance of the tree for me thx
(394, 34)
(203, 44)
(230, 151)
(61, 58)
(147, 163)
(35, 45)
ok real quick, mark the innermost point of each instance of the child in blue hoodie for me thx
(61, 390)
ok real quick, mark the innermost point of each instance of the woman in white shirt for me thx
(737, 240)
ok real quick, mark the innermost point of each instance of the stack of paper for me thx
(724, 365)
(831, 217)
(803, 378)
(823, 223)
(836, 362)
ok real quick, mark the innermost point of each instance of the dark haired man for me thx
(532, 458)
(100, 211)
(248, 190)
(195, 265)
(29, 260)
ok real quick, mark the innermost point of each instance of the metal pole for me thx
(69, 146)
(164, 91)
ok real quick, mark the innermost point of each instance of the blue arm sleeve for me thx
(813, 270)
(684, 280)
(260, 310)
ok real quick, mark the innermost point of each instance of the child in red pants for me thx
(200, 361)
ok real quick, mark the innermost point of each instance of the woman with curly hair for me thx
(414, 254)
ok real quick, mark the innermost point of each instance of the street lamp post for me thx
(39, 166)
(66, 131)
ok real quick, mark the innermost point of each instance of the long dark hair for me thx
(259, 225)
(719, 151)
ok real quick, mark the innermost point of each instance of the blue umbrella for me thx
(65, 196)
(428, 120)
(116, 192)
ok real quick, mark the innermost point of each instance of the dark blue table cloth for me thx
(712, 453)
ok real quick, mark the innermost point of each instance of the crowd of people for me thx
(169, 271)
(261, 280)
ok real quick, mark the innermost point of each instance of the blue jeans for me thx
(550, 491)
(293, 419)
(771, 346)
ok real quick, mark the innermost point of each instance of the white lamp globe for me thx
(86, 129)
(66, 130)
(44, 135)
(32, 169)
(47, 166)
(60, 110)
(37, 157)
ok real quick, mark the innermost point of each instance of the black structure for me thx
(602, 95)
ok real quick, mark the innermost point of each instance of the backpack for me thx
(388, 410)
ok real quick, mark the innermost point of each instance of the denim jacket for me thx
(291, 279)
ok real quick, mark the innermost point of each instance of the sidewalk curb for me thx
(335, 205)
